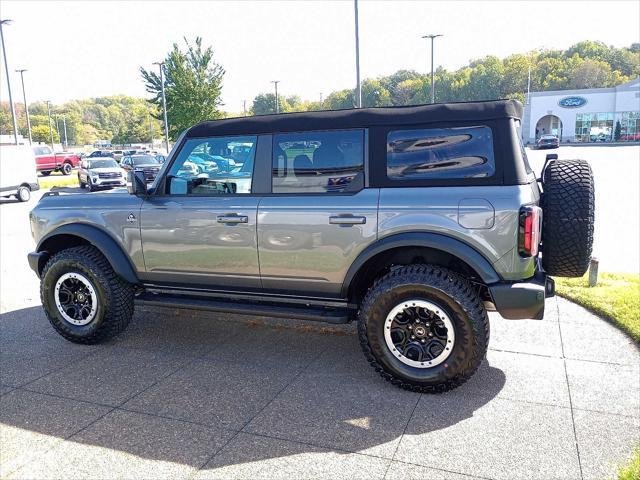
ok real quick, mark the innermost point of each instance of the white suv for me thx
(101, 173)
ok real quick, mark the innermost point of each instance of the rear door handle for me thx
(347, 220)
(233, 219)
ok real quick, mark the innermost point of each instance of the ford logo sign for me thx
(572, 102)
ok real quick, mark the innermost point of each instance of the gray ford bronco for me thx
(413, 221)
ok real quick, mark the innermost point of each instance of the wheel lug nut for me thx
(431, 334)
(423, 340)
(409, 327)
(413, 337)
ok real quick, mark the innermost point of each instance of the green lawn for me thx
(632, 470)
(616, 297)
(56, 179)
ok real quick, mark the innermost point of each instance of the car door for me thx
(45, 158)
(200, 228)
(319, 216)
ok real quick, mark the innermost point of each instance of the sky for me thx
(81, 49)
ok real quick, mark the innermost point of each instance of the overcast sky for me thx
(81, 49)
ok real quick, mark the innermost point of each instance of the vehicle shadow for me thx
(304, 389)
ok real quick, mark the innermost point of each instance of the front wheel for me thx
(83, 298)
(423, 328)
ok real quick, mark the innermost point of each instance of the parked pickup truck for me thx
(47, 161)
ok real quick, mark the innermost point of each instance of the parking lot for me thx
(202, 395)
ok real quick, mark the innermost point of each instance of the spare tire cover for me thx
(568, 205)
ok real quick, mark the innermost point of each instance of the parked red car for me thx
(47, 161)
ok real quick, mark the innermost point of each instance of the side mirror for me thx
(136, 184)
(551, 156)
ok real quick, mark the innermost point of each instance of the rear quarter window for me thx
(440, 153)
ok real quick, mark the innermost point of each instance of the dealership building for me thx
(589, 115)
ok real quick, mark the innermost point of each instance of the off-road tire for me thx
(568, 204)
(451, 292)
(115, 296)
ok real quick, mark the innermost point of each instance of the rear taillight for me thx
(529, 231)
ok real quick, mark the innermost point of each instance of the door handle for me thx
(233, 219)
(347, 220)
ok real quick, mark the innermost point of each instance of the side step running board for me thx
(340, 315)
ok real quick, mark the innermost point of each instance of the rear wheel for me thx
(45, 173)
(423, 328)
(23, 194)
(83, 298)
(66, 169)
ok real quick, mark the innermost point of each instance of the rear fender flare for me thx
(437, 241)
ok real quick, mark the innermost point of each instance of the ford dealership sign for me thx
(572, 102)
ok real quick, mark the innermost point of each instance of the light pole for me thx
(433, 92)
(358, 86)
(276, 82)
(164, 105)
(64, 126)
(50, 129)
(26, 108)
(6, 67)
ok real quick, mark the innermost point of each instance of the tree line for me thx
(194, 82)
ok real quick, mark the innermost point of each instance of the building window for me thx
(594, 127)
(629, 127)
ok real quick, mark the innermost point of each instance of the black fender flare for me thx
(102, 241)
(437, 241)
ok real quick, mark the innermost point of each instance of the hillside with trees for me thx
(193, 87)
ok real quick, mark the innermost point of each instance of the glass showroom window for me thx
(594, 127)
(629, 127)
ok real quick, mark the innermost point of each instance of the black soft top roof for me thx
(359, 118)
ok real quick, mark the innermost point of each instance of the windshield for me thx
(144, 160)
(105, 163)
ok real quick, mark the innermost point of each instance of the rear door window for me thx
(318, 162)
(440, 153)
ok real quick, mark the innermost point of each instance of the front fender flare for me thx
(437, 241)
(102, 241)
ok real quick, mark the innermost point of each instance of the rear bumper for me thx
(525, 299)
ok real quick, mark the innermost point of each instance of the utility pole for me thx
(57, 126)
(529, 87)
(6, 67)
(276, 82)
(321, 99)
(164, 105)
(50, 128)
(64, 124)
(358, 85)
(26, 108)
(244, 107)
(433, 92)
(150, 129)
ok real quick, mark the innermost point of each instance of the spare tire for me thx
(568, 216)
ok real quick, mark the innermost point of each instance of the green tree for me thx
(193, 86)
(40, 133)
(617, 132)
(340, 100)
(374, 94)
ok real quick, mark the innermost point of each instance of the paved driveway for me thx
(202, 395)
(217, 396)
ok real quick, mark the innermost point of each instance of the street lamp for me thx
(358, 86)
(50, 129)
(26, 108)
(164, 105)
(276, 82)
(432, 36)
(6, 67)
